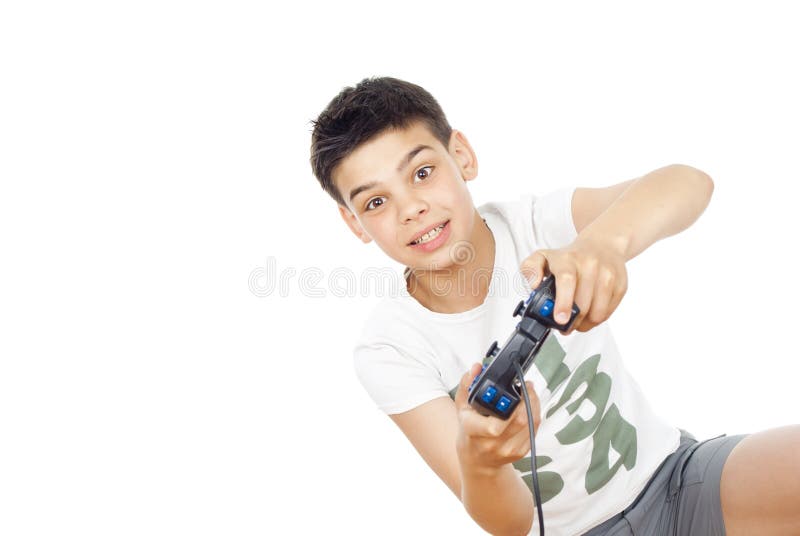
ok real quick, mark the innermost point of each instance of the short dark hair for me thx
(358, 114)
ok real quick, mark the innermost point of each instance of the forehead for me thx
(378, 158)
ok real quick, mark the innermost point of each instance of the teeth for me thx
(430, 235)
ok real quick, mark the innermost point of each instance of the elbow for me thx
(706, 183)
(700, 183)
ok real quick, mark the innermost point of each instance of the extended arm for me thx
(614, 225)
(633, 215)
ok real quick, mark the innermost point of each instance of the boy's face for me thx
(407, 192)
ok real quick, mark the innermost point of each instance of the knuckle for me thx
(605, 278)
(566, 258)
(590, 265)
(596, 316)
(565, 276)
(487, 448)
(622, 285)
(586, 326)
(533, 261)
(521, 419)
(592, 323)
(492, 430)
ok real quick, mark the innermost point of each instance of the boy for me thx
(606, 463)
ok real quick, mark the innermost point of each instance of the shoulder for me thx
(391, 318)
(532, 222)
(393, 331)
(525, 203)
(508, 210)
(394, 359)
(511, 223)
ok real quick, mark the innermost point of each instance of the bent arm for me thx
(498, 500)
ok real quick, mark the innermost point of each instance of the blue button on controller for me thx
(503, 404)
(489, 394)
(547, 308)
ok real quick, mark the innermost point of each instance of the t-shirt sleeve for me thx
(553, 226)
(396, 381)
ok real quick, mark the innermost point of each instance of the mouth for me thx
(432, 236)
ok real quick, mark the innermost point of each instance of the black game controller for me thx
(497, 389)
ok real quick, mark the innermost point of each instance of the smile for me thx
(430, 235)
(432, 239)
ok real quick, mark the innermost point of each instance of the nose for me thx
(413, 207)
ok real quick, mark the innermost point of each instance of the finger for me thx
(520, 416)
(620, 288)
(584, 294)
(518, 442)
(566, 281)
(618, 291)
(463, 387)
(519, 419)
(603, 290)
(533, 268)
(518, 445)
(477, 425)
(536, 407)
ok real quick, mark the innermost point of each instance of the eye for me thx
(374, 203)
(423, 173)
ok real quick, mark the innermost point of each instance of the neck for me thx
(464, 284)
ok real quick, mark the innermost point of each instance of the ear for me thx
(352, 222)
(464, 156)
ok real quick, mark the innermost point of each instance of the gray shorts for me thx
(682, 497)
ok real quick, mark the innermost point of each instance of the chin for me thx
(441, 261)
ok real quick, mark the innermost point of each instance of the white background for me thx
(154, 155)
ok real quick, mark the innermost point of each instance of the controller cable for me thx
(534, 476)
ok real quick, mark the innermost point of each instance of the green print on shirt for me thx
(610, 430)
(550, 483)
(613, 431)
(550, 362)
(607, 429)
(598, 388)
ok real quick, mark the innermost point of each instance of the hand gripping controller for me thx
(497, 389)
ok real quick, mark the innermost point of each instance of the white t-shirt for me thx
(599, 441)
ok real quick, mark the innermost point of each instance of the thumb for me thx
(463, 386)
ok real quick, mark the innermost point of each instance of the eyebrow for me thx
(358, 189)
(403, 163)
(410, 156)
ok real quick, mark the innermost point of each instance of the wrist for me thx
(497, 499)
(617, 239)
(473, 468)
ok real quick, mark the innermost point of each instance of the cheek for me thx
(381, 228)
(452, 191)
(460, 197)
